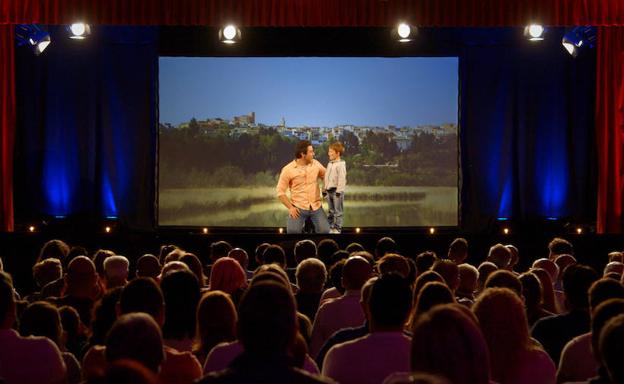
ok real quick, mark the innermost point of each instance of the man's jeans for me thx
(318, 218)
(335, 209)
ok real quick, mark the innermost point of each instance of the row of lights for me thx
(281, 230)
(38, 38)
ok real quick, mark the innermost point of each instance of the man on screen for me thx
(301, 175)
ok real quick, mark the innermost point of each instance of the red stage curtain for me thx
(7, 125)
(316, 13)
(610, 128)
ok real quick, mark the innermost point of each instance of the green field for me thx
(258, 207)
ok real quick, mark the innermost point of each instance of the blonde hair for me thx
(337, 146)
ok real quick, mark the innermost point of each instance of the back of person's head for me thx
(42, 319)
(274, 254)
(75, 251)
(173, 266)
(515, 255)
(559, 246)
(549, 266)
(311, 275)
(468, 277)
(531, 290)
(548, 290)
(614, 266)
(267, 321)
(126, 371)
(142, 295)
(427, 277)
(393, 262)
(577, 279)
(616, 256)
(504, 324)
(383, 246)
(499, 255)
(174, 255)
(195, 266)
(365, 293)
(219, 249)
(47, 271)
(304, 249)
(355, 247)
(604, 289)
(240, 255)
(504, 279)
(70, 321)
(611, 348)
(449, 271)
(390, 302)
(216, 320)
(181, 293)
(116, 269)
(136, 336)
(98, 259)
(326, 249)
(54, 249)
(425, 261)
(148, 266)
(335, 275)
(259, 252)
(7, 301)
(563, 261)
(485, 269)
(339, 255)
(601, 315)
(430, 295)
(227, 275)
(104, 315)
(458, 250)
(81, 276)
(355, 273)
(447, 342)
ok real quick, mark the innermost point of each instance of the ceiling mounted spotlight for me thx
(577, 38)
(534, 32)
(79, 31)
(229, 34)
(404, 32)
(34, 36)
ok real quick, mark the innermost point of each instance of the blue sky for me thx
(311, 91)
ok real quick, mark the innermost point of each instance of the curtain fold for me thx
(610, 129)
(318, 13)
(7, 125)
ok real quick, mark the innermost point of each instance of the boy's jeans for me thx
(335, 209)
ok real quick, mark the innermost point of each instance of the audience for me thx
(311, 276)
(148, 266)
(458, 250)
(611, 347)
(216, 323)
(116, 269)
(181, 293)
(468, 278)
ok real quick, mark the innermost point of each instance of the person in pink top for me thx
(301, 176)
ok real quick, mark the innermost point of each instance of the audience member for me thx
(559, 246)
(216, 323)
(385, 245)
(181, 293)
(504, 279)
(148, 266)
(532, 293)
(500, 256)
(468, 278)
(458, 250)
(116, 269)
(311, 276)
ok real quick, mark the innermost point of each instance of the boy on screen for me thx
(334, 186)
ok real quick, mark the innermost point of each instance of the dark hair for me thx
(390, 300)
(531, 289)
(355, 247)
(219, 249)
(339, 255)
(326, 249)
(148, 266)
(559, 246)
(54, 249)
(304, 249)
(504, 279)
(98, 260)
(259, 252)
(601, 315)
(75, 251)
(385, 245)
(164, 251)
(577, 279)
(612, 348)
(267, 318)
(142, 295)
(70, 321)
(41, 319)
(136, 336)
(301, 148)
(6, 295)
(195, 266)
(274, 254)
(604, 289)
(433, 294)
(335, 275)
(424, 261)
(457, 247)
(181, 292)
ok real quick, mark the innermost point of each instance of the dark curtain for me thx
(87, 119)
(610, 128)
(317, 13)
(527, 145)
(7, 125)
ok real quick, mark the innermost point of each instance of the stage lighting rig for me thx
(79, 31)
(33, 36)
(534, 32)
(404, 32)
(230, 34)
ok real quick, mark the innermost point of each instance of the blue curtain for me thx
(86, 142)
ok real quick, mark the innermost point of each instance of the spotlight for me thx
(534, 32)
(579, 37)
(229, 34)
(280, 231)
(506, 231)
(34, 36)
(404, 32)
(79, 31)
(107, 229)
(579, 230)
(32, 228)
(432, 230)
(358, 230)
(205, 231)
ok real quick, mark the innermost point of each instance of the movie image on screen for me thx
(227, 126)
